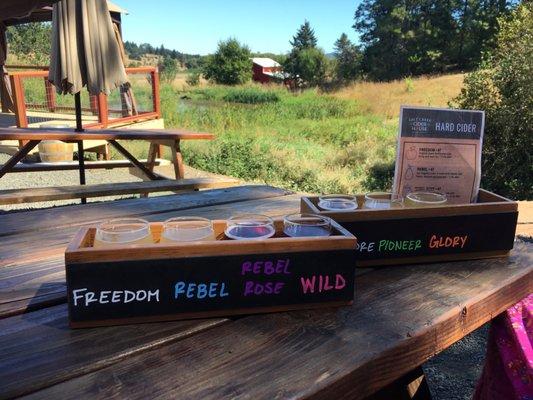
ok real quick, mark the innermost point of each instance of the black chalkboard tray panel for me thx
(156, 282)
(419, 235)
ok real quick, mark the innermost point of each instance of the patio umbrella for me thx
(5, 88)
(85, 51)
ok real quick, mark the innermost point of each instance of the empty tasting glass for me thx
(123, 232)
(302, 225)
(187, 229)
(337, 202)
(424, 199)
(382, 201)
(249, 226)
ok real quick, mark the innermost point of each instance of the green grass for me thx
(308, 142)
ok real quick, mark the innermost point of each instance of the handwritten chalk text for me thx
(438, 242)
(84, 297)
(191, 290)
(322, 283)
(265, 267)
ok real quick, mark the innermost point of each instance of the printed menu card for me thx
(439, 150)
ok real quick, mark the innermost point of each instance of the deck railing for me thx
(33, 93)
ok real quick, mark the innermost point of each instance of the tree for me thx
(306, 62)
(348, 57)
(305, 37)
(402, 38)
(230, 65)
(503, 87)
(30, 42)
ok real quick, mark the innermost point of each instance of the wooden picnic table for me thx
(401, 317)
(29, 138)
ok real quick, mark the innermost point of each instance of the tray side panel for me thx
(123, 290)
(433, 236)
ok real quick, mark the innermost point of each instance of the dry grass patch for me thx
(385, 98)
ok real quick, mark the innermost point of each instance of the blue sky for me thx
(196, 26)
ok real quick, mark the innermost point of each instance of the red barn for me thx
(266, 70)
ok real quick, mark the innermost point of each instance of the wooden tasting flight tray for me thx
(419, 235)
(155, 282)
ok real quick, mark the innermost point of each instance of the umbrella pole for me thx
(79, 128)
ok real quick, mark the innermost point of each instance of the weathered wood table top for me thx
(100, 134)
(402, 316)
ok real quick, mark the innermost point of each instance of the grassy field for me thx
(341, 142)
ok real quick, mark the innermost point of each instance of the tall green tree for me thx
(306, 63)
(503, 87)
(230, 65)
(411, 37)
(348, 59)
(30, 43)
(305, 37)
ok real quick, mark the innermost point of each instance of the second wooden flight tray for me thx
(416, 235)
(156, 282)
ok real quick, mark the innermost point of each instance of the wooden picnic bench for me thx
(401, 317)
(31, 137)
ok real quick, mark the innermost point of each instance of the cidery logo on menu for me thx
(419, 124)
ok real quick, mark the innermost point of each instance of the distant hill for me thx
(146, 53)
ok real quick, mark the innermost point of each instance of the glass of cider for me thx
(425, 199)
(123, 231)
(337, 202)
(187, 229)
(382, 201)
(306, 225)
(250, 226)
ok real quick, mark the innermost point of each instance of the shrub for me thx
(380, 177)
(250, 96)
(193, 79)
(230, 65)
(503, 87)
(168, 69)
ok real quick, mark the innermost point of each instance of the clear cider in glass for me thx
(186, 229)
(127, 231)
(425, 199)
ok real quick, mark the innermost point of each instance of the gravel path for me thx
(60, 178)
(451, 375)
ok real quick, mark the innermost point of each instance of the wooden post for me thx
(19, 105)
(155, 92)
(103, 112)
(156, 101)
(19, 102)
(50, 94)
(93, 100)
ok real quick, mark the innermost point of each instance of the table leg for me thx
(133, 160)
(412, 386)
(81, 163)
(153, 151)
(177, 160)
(19, 155)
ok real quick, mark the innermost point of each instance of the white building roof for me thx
(114, 8)
(265, 62)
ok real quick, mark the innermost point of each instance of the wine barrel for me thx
(52, 151)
